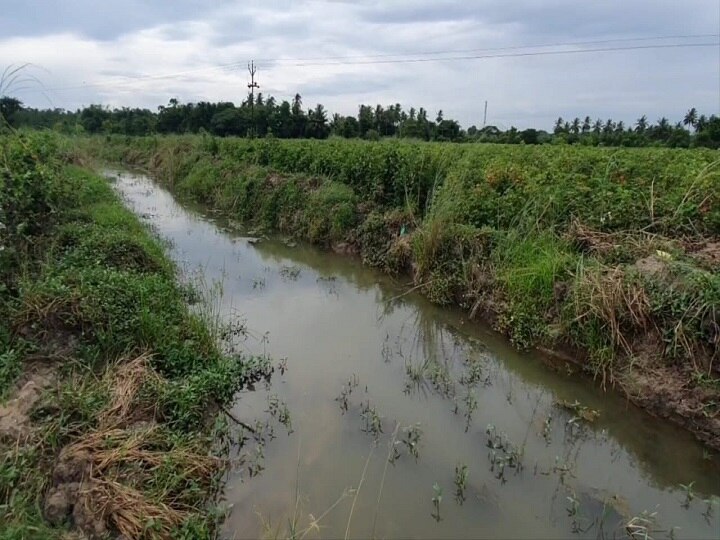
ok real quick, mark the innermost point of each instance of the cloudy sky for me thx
(342, 53)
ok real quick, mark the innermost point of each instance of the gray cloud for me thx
(106, 51)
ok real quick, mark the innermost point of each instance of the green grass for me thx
(85, 279)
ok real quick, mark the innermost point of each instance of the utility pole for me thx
(485, 115)
(252, 85)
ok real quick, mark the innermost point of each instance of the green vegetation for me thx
(113, 384)
(611, 255)
(264, 117)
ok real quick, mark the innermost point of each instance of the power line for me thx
(509, 55)
(489, 49)
(302, 63)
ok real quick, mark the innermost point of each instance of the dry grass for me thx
(119, 462)
(128, 511)
(51, 313)
(604, 244)
(621, 306)
(129, 378)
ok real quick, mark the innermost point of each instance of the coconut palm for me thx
(641, 124)
(691, 118)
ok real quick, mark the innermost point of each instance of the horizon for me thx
(450, 56)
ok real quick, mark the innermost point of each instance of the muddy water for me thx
(446, 393)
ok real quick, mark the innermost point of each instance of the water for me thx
(349, 331)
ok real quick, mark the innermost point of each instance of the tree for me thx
(710, 134)
(9, 106)
(297, 105)
(641, 124)
(93, 117)
(226, 122)
(365, 119)
(575, 126)
(529, 136)
(701, 123)
(317, 123)
(299, 120)
(691, 118)
(350, 127)
(586, 125)
(282, 121)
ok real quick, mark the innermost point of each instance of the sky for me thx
(342, 53)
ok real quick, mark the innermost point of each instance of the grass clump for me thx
(532, 270)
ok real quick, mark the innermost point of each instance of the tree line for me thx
(263, 117)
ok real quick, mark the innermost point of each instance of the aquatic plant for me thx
(436, 500)
(461, 475)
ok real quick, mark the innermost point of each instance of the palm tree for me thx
(597, 126)
(297, 104)
(641, 124)
(701, 123)
(575, 126)
(691, 118)
(558, 125)
(586, 125)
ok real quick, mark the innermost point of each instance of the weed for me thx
(461, 475)
(710, 505)
(503, 454)
(278, 409)
(372, 420)
(547, 429)
(581, 411)
(436, 500)
(473, 374)
(642, 526)
(471, 405)
(689, 494)
(411, 439)
(290, 273)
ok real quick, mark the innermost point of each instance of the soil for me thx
(707, 254)
(15, 423)
(68, 499)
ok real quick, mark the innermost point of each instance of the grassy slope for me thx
(610, 254)
(89, 297)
